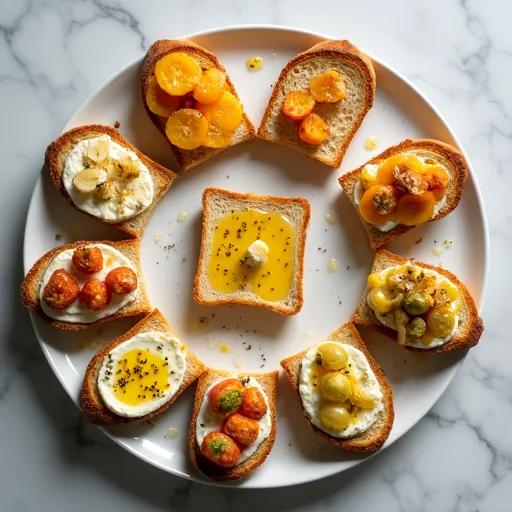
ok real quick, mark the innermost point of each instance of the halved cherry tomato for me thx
(413, 210)
(121, 280)
(88, 260)
(243, 430)
(220, 449)
(160, 102)
(253, 404)
(297, 105)
(314, 130)
(226, 396)
(329, 87)
(94, 295)
(61, 290)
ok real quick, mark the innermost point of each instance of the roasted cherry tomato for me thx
(313, 129)
(253, 404)
(220, 449)
(61, 290)
(226, 396)
(243, 430)
(297, 105)
(88, 260)
(94, 295)
(121, 280)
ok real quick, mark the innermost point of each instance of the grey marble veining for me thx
(53, 53)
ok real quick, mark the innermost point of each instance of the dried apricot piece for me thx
(218, 137)
(210, 86)
(226, 112)
(413, 210)
(158, 101)
(297, 105)
(329, 87)
(378, 204)
(314, 129)
(387, 167)
(177, 73)
(187, 128)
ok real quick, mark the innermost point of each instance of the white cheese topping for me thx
(77, 313)
(313, 400)
(210, 421)
(388, 226)
(162, 344)
(257, 254)
(417, 342)
(132, 195)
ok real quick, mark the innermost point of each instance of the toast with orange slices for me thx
(190, 98)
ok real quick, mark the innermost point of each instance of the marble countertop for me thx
(53, 54)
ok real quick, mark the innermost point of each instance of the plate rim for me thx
(424, 98)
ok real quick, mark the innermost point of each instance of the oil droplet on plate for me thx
(182, 216)
(437, 251)
(330, 218)
(370, 144)
(238, 362)
(255, 63)
(308, 334)
(224, 348)
(172, 433)
(332, 265)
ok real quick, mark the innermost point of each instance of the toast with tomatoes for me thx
(59, 150)
(189, 158)
(31, 286)
(342, 117)
(90, 400)
(470, 325)
(373, 438)
(428, 150)
(268, 382)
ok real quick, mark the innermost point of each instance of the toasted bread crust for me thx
(467, 338)
(300, 240)
(90, 400)
(458, 168)
(186, 159)
(58, 150)
(32, 282)
(268, 381)
(336, 49)
(376, 435)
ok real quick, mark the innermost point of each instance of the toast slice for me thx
(32, 283)
(268, 382)
(92, 404)
(216, 204)
(58, 151)
(373, 438)
(189, 158)
(448, 156)
(343, 117)
(470, 326)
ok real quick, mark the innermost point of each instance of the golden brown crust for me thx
(158, 50)
(268, 381)
(376, 435)
(468, 337)
(337, 49)
(32, 282)
(300, 241)
(58, 150)
(458, 169)
(90, 400)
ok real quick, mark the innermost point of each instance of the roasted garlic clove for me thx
(87, 180)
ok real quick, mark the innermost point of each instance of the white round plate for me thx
(170, 251)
